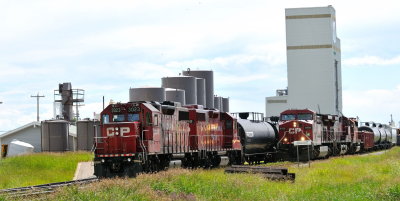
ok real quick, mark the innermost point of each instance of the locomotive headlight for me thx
(303, 138)
(102, 160)
(294, 124)
(285, 140)
(129, 159)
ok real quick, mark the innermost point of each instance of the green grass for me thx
(39, 168)
(372, 177)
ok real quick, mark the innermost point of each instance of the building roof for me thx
(32, 124)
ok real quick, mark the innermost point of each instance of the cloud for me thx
(372, 105)
(371, 60)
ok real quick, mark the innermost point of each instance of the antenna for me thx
(37, 104)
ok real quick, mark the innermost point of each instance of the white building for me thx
(29, 133)
(313, 63)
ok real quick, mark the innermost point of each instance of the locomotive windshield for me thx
(106, 119)
(288, 117)
(118, 118)
(305, 117)
(133, 117)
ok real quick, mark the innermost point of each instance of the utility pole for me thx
(37, 104)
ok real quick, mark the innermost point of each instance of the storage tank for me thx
(201, 91)
(187, 83)
(86, 131)
(208, 75)
(225, 104)
(147, 94)
(218, 104)
(256, 137)
(55, 135)
(175, 95)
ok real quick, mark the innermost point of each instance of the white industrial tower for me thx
(313, 63)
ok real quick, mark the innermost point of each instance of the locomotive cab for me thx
(300, 126)
(127, 131)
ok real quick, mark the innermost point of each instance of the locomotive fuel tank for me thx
(256, 137)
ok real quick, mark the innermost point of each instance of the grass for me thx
(39, 168)
(372, 177)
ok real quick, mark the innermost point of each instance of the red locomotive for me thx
(145, 136)
(326, 134)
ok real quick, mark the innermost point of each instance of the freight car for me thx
(145, 136)
(258, 137)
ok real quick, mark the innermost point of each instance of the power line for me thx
(37, 104)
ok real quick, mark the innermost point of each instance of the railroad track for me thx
(269, 172)
(41, 189)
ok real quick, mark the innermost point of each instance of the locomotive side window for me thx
(228, 124)
(106, 118)
(305, 117)
(118, 118)
(155, 120)
(201, 117)
(148, 119)
(287, 117)
(183, 115)
(133, 117)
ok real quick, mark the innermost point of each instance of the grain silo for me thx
(187, 83)
(86, 133)
(201, 91)
(218, 103)
(147, 94)
(55, 135)
(208, 75)
(225, 104)
(175, 95)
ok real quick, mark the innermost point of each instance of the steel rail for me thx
(42, 189)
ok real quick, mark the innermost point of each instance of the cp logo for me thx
(111, 131)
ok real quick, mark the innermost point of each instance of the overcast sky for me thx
(106, 47)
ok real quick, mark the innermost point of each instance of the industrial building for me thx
(313, 63)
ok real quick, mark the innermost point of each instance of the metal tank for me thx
(388, 133)
(256, 137)
(86, 133)
(175, 95)
(383, 134)
(201, 91)
(208, 75)
(394, 136)
(187, 83)
(371, 127)
(218, 103)
(55, 135)
(147, 94)
(225, 104)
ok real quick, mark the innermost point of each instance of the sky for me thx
(107, 47)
